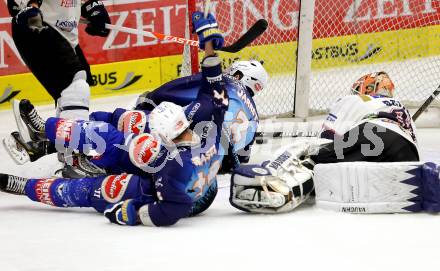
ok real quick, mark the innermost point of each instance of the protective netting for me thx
(276, 47)
(354, 37)
(350, 38)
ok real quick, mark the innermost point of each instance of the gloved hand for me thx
(30, 17)
(95, 12)
(123, 213)
(207, 30)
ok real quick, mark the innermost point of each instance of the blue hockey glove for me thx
(30, 17)
(95, 12)
(207, 30)
(122, 213)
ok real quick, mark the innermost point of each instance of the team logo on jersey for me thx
(42, 191)
(8, 94)
(64, 130)
(133, 121)
(221, 97)
(113, 187)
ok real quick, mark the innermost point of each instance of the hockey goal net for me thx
(349, 38)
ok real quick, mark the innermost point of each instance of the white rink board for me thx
(38, 237)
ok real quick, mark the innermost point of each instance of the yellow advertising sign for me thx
(111, 79)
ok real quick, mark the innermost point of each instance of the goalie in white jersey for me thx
(45, 33)
(367, 126)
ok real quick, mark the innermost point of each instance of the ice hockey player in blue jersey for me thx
(242, 81)
(183, 181)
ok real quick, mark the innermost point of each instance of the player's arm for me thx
(210, 39)
(27, 14)
(94, 11)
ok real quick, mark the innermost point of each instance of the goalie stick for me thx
(254, 32)
(426, 103)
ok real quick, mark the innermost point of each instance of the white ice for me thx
(38, 237)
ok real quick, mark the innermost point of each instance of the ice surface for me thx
(38, 237)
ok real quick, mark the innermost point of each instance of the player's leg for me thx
(377, 145)
(87, 192)
(55, 63)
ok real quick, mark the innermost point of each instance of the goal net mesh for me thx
(350, 38)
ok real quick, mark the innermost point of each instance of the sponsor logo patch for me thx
(42, 191)
(66, 25)
(259, 170)
(113, 187)
(64, 130)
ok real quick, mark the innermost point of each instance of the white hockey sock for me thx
(75, 99)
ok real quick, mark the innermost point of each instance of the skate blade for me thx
(17, 153)
(21, 126)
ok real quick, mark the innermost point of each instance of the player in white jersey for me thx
(370, 117)
(369, 126)
(45, 33)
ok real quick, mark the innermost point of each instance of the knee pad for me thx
(75, 99)
(366, 187)
(116, 188)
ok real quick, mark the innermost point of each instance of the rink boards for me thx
(146, 74)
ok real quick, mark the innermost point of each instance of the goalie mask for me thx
(378, 83)
(251, 73)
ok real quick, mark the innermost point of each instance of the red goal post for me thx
(336, 42)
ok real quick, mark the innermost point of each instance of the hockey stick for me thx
(263, 137)
(426, 103)
(254, 32)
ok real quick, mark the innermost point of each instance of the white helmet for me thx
(251, 73)
(168, 120)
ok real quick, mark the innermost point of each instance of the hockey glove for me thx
(30, 17)
(122, 213)
(207, 30)
(95, 12)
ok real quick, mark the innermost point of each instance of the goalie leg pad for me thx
(431, 187)
(363, 187)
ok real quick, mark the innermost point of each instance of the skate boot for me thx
(22, 152)
(12, 184)
(34, 123)
(78, 166)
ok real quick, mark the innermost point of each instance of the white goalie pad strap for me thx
(364, 187)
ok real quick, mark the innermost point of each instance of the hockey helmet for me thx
(251, 73)
(378, 83)
(168, 120)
